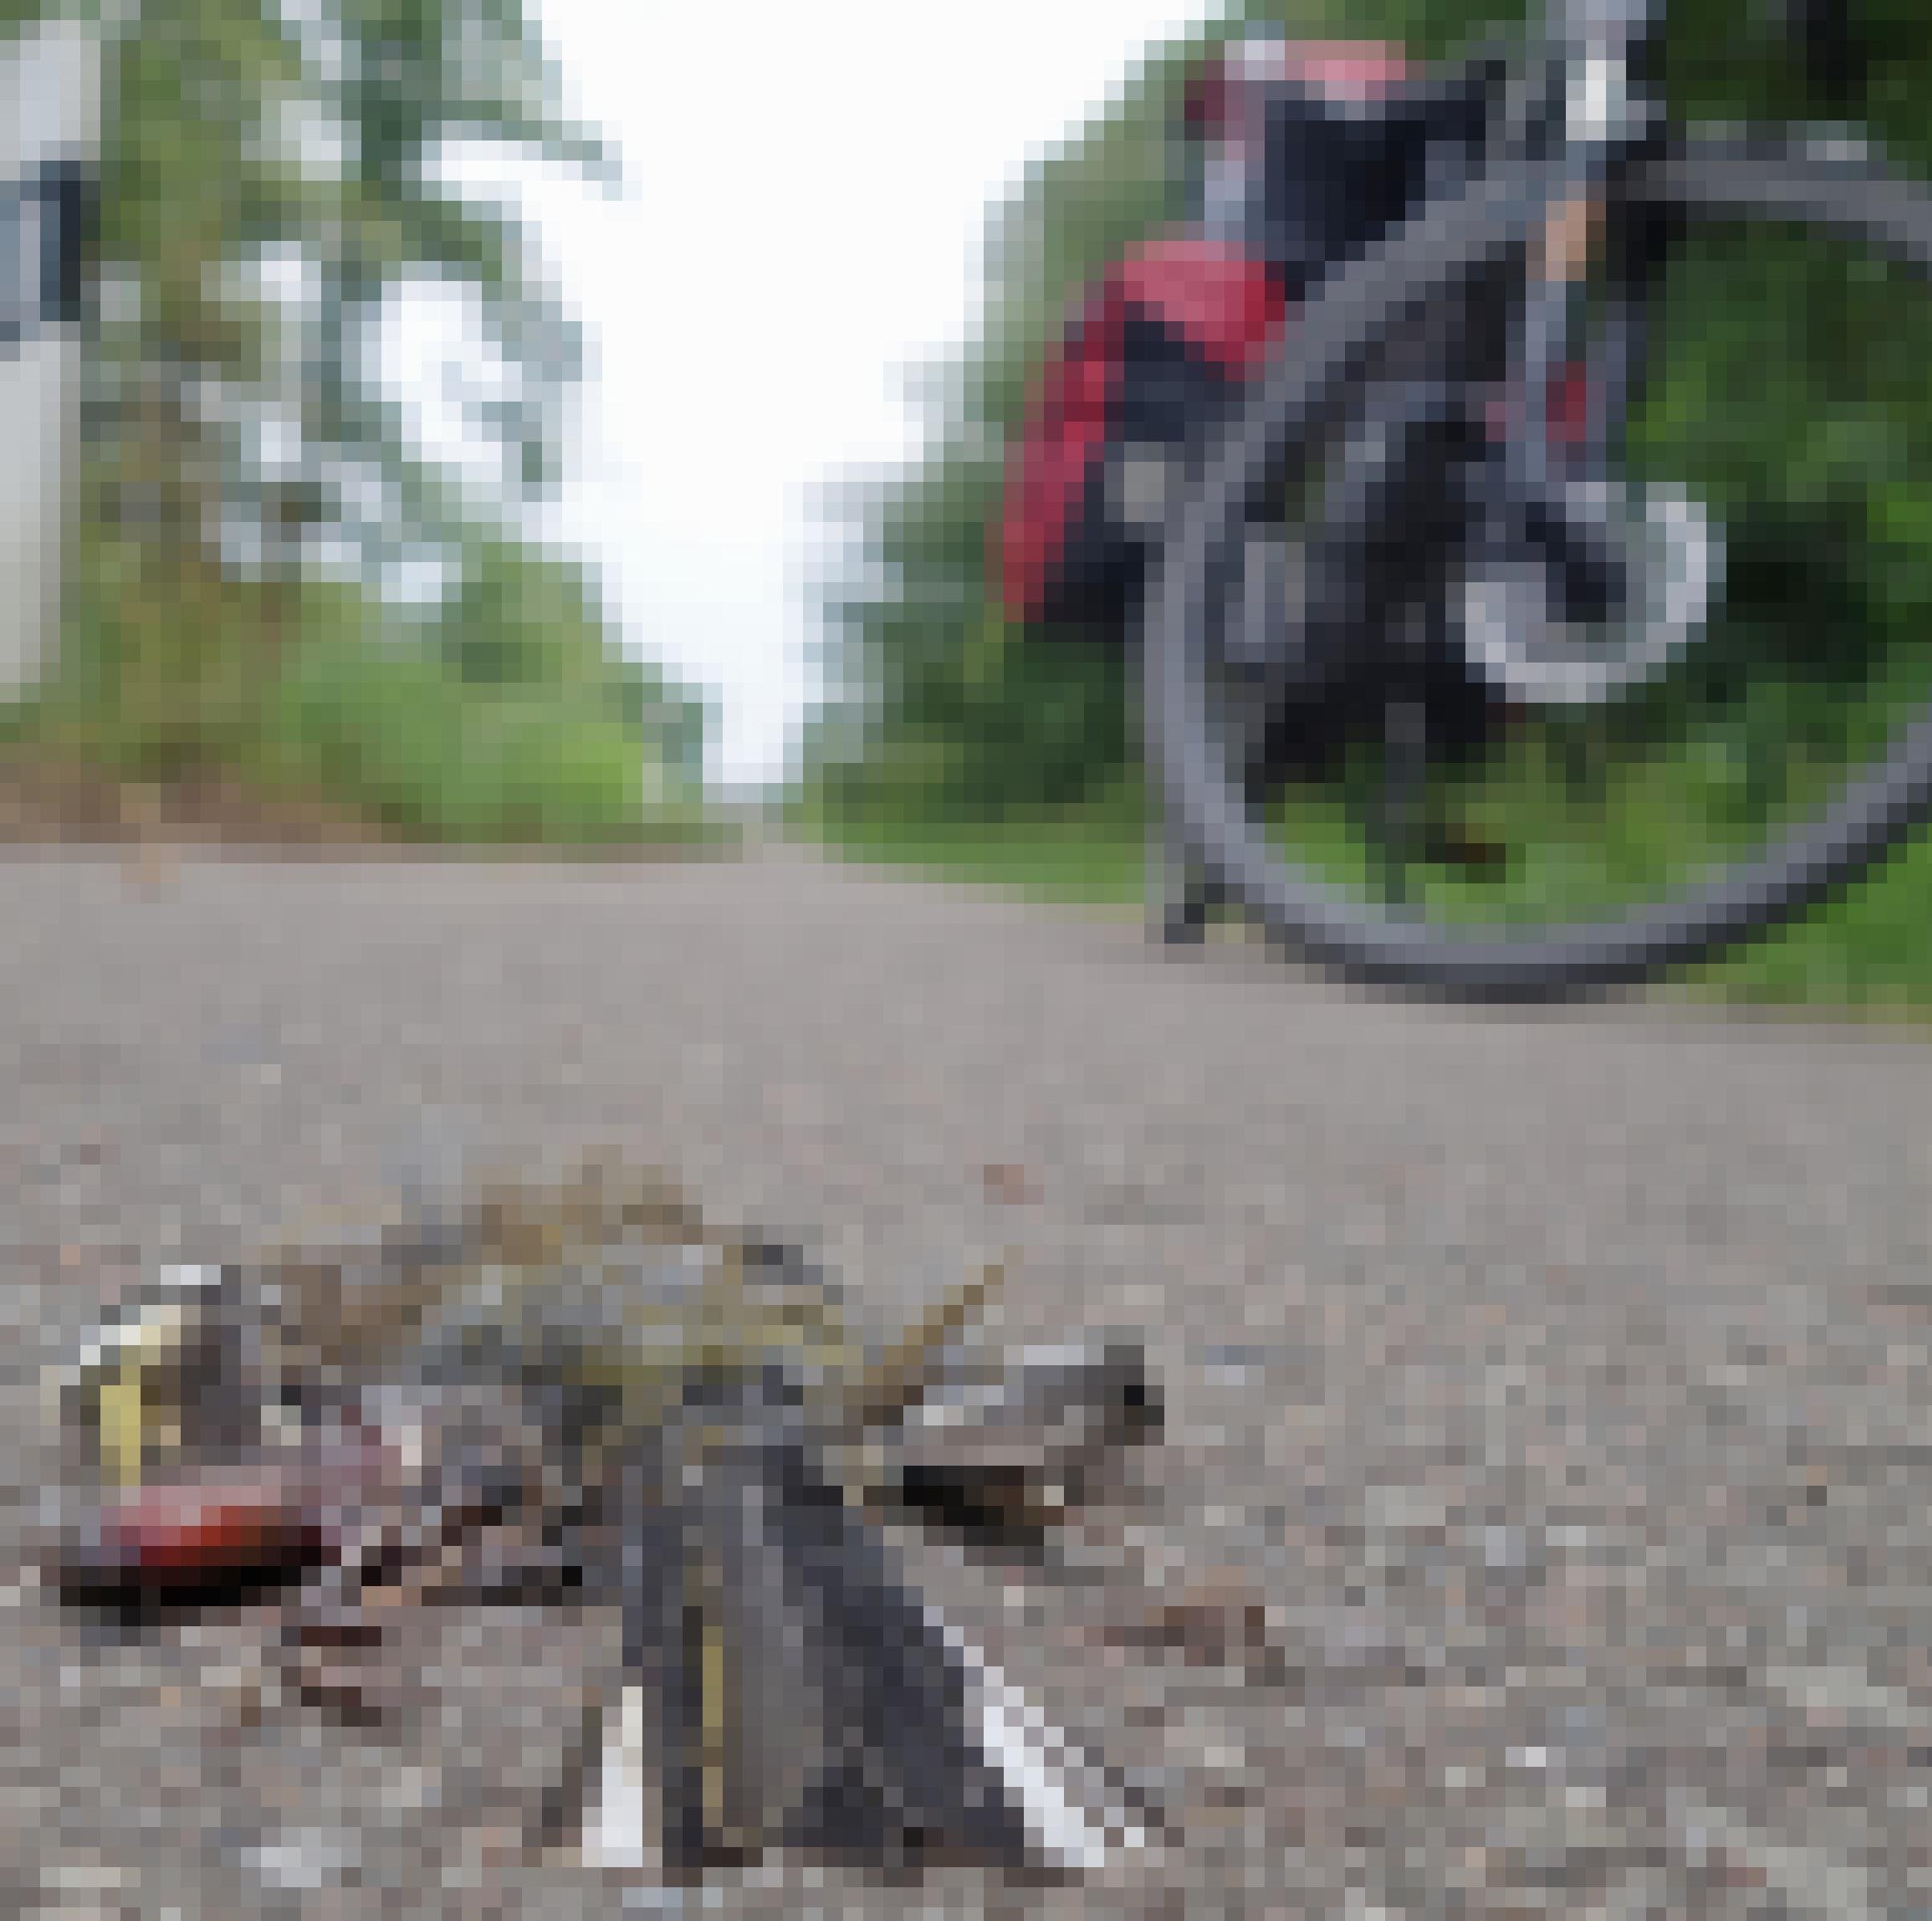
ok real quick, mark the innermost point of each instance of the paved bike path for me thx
(1543, 1520)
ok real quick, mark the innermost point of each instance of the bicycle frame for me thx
(1585, 103)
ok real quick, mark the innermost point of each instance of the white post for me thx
(49, 137)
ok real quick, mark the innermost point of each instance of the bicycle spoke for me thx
(1405, 788)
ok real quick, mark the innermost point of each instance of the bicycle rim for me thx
(1802, 864)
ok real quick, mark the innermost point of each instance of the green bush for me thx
(392, 727)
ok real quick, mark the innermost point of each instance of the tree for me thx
(270, 185)
(937, 707)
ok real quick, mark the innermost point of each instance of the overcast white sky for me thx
(805, 186)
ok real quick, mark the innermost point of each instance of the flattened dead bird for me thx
(610, 1392)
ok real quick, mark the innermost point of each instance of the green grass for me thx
(1093, 856)
(438, 757)
(374, 719)
(381, 742)
(1869, 954)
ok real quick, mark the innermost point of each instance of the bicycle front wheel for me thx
(1586, 833)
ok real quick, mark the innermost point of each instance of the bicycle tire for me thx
(1843, 192)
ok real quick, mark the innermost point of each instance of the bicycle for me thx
(1694, 718)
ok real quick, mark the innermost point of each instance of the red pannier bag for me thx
(1310, 149)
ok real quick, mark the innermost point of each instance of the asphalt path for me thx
(1540, 1524)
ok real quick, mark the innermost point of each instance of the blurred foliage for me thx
(251, 496)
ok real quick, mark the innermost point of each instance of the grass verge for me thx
(355, 741)
(1868, 954)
